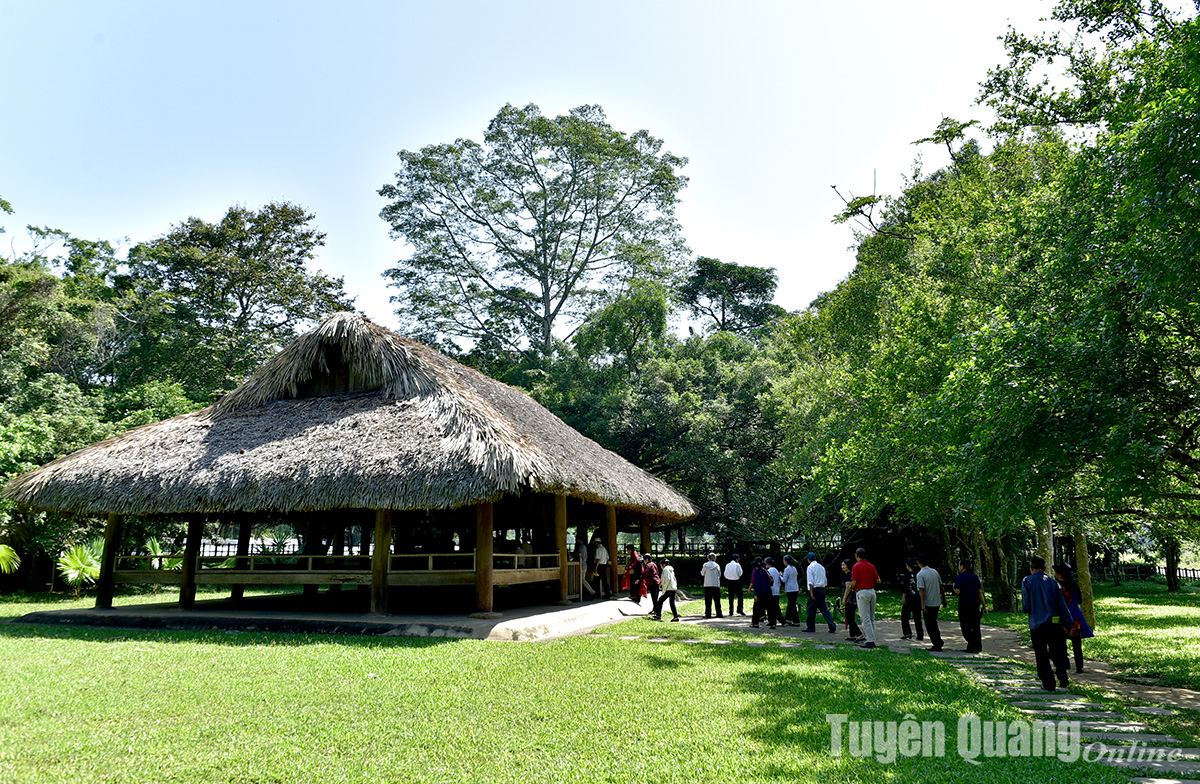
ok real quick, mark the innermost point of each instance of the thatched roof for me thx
(349, 415)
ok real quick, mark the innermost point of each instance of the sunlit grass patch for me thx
(134, 705)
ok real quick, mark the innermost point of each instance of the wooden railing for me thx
(296, 562)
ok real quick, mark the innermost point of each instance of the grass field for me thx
(1141, 629)
(136, 706)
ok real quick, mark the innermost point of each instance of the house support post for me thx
(108, 562)
(483, 556)
(646, 543)
(560, 542)
(381, 560)
(245, 524)
(191, 559)
(610, 534)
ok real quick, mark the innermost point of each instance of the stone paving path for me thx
(1125, 743)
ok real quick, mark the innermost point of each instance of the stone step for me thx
(1183, 766)
(1112, 726)
(1129, 737)
(1062, 705)
(1041, 694)
(1142, 780)
(1069, 715)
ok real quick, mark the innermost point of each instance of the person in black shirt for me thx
(971, 605)
(911, 603)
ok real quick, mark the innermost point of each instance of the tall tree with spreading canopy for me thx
(527, 231)
(237, 290)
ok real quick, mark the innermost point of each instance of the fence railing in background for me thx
(1142, 572)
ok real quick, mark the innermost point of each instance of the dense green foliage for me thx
(1015, 355)
(95, 344)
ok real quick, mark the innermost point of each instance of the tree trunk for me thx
(1083, 569)
(1116, 560)
(1171, 551)
(1045, 536)
(1002, 599)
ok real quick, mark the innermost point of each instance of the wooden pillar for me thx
(683, 540)
(108, 562)
(483, 556)
(560, 542)
(191, 555)
(381, 560)
(245, 524)
(610, 533)
(646, 543)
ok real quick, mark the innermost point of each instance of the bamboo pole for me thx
(381, 560)
(484, 532)
(108, 562)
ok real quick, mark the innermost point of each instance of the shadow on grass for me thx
(783, 696)
(231, 638)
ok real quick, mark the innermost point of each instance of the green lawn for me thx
(141, 706)
(1141, 628)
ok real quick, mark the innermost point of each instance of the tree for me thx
(237, 290)
(524, 232)
(735, 298)
(1123, 294)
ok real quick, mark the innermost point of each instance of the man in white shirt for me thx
(791, 587)
(601, 561)
(733, 578)
(773, 614)
(711, 572)
(818, 584)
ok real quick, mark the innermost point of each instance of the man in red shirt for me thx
(862, 581)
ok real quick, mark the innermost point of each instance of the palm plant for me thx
(158, 560)
(9, 560)
(79, 566)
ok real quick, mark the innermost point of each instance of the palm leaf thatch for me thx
(349, 415)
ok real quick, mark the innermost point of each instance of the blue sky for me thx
(123, 118)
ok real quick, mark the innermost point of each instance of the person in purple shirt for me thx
(760, 583)
(1042, 599)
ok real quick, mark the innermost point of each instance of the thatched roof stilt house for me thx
(352, 420)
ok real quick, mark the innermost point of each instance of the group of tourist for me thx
(1043, 598)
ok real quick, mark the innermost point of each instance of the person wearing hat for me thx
(600, 558)
(733, 577)
(818, 585)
